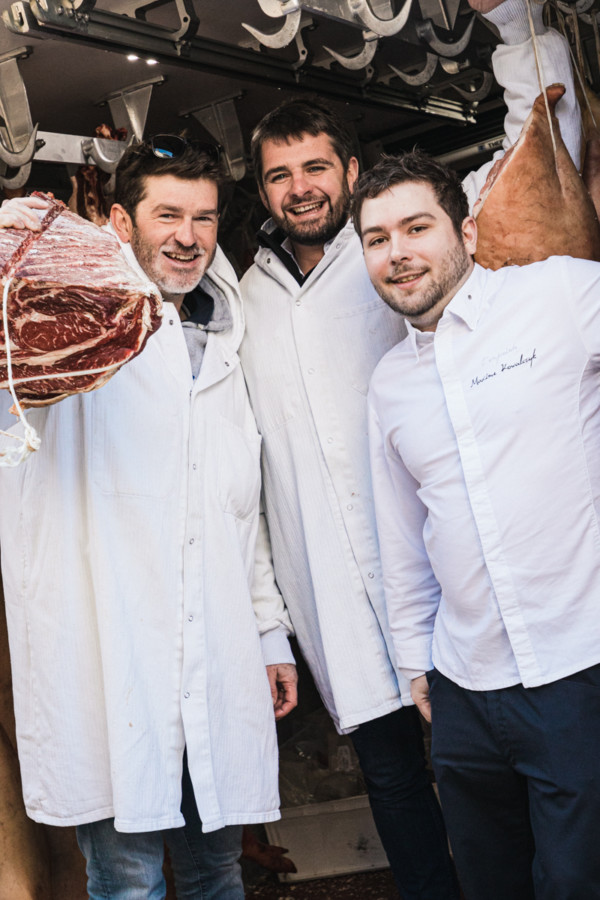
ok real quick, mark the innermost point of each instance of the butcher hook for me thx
(361, 10)
(426, 31)
(360, 60)
(18, 180)
(480, 92)
(281, 38)
(17, 158)
(107, 161)
(421, 77)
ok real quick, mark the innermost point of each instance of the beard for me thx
(319, 232)
(170, 284)
(453, 266)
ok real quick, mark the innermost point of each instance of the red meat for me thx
(74, 305)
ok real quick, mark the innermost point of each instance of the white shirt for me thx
(486, 473)
(127, 554)
(308, 354)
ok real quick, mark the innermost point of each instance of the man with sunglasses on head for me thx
(144, 712)
(315, 330)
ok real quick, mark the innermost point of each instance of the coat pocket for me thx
(238, 482)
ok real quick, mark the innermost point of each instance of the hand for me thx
(283, 680)
(19, 213)
(419, 691)
(484, 6)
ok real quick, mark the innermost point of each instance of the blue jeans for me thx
(519, 777)
(122, 866)
(405, 809)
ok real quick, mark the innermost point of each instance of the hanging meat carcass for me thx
(534, 203)
(76, 311)
(91, 185)
(590, 120)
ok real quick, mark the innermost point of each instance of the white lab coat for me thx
(127, 554)
(308, 354)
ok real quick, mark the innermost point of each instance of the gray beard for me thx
(174, 285)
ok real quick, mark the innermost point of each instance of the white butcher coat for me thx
(308, 355)
(127, 553)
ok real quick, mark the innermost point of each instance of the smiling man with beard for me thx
(139, 633)
(315, 330)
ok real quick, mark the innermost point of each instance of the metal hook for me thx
(17, 158)
(360, 60)
(381, 27)
(426, 32)
(18, 180)
(421, 77)
(96, 151)
(301, 47)
(271, 8)
(281, 38)
(480, 92)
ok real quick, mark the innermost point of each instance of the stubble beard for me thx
(172, 285)
(453, 266)
(317, 233)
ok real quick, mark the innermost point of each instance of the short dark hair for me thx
(296, 118)
(413, 166)
(139, 162)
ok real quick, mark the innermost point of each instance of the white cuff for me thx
(511, 20)
(411, 674)
(276, 647)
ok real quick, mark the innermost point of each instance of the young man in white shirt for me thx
(484, 426)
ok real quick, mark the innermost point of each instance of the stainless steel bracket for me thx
(220, 119)
(129, 106)
(17, 134)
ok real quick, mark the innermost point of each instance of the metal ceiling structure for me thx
(400, 71)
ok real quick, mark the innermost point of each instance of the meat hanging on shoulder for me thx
(590, 120)
(76, 311)
(534, 203)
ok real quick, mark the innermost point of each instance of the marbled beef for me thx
(73, 305)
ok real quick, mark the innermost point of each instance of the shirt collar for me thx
(273, 238)
(467, 303)
(198, 306)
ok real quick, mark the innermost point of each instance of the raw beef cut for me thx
(76, 310)
(534, 203)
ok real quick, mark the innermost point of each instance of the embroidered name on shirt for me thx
(505, 367)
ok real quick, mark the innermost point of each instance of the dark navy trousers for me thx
(406, 811)
(518, 771)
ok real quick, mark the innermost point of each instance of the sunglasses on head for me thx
(170, 146)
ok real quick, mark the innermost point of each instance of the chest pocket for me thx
(136, 433)
(238, 481)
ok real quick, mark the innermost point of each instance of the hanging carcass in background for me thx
(90, 198)
(590, 114)
(534, 203)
